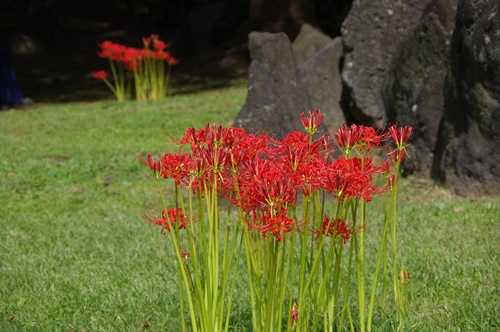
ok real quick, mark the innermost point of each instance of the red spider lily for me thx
(371, 137)
(348, 138)
(184, 255)
(168, 217)
(362, 183)
(215, 172)
(110, 50)
(295, 139)
(249, 178)
(294, 157)
(236, 147)
(277, 194)
(277, 225)
(170, 59)
(131, 59)
(177, 166)
(253, 145)
(156, 166)
(352, 177)
(396, 155)
(262, 182)
(209, 135)
(158, 55)
(144, 54)
(195, 138)
(100, 75)
(333, 228)
(326, 144)
(153, 40)
(160, 45)
(216, 135)
(216, 158)
(304, 170)
(234, 137)
(400, 135)
(150, 40)
(338, 177)
(313, 121)
(296, 148)
(294, 315)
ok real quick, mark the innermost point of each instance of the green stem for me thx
(182, 267)
(397, 293)
(381, 254)
(360, 268)
(181, 300)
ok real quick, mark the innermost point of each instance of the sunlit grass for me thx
(75, 254)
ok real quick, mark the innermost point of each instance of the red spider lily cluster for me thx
(266, 179)
(265, 176)
(131, 57)
(146, 65)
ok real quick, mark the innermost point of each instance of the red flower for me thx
(184, 255)
(397, 155)
(100, 75)
(313, 121)
(169, 217)
(177, 166)
(353, 177)
(131, 59)
(333, 228)
(400, 135)
(110, 50)
(278, 225)
(147, 41)
(253, 145)
(348, 138)
(304, 166)
(160, 45)
(338, 177)
(170, 59)
(275, 194)
(294, 315)
(295, 139)
(370, 137)
(145, 53)
(156, 166)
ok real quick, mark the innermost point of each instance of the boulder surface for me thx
(468, 148)
(275, 96)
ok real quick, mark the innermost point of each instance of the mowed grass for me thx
(75, 254)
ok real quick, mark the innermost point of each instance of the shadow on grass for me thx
(55, 82)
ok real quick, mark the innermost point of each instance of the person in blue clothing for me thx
(10, 92)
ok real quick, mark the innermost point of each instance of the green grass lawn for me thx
(75, 254)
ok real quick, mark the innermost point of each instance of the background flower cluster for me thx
(145, 65)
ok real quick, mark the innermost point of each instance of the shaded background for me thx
(53, 43)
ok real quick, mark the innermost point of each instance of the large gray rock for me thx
(412, 88)
(309, 41)
(275, 97)
(468, 150)
(373, 34)
(320, 78)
